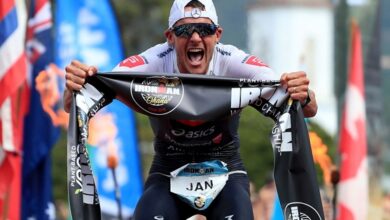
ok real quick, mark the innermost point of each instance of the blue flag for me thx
(40, 133)
(87, 31)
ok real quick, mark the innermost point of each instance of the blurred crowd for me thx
(386, 207)
(263, 202)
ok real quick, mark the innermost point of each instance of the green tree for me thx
(256, 149)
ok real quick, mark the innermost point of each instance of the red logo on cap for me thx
(253, 60)
(133, 61)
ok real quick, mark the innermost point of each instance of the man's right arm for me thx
(75, 75)
(150, 60)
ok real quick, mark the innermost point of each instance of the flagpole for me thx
(112, 162)
(117, 194)
(334, 178)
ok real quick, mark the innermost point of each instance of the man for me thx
(197, 146)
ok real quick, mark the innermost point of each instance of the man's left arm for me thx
(242, 65)
(297, 85)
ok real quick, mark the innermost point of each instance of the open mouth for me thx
(195, 55)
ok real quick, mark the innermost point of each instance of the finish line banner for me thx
(184, 96)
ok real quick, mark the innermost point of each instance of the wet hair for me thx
(196, 4)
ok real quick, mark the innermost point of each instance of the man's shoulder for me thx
(160, 50)
(228, 51)
(149, 60)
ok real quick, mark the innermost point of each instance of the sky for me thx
(356, 2)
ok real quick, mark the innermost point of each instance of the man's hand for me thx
(76, 74)
(297, 85)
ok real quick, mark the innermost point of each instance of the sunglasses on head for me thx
(203, 29)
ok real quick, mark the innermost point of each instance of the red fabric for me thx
(6, 171)
(353, 188)
(13, 106)
(10, 187)
(11, 167)
(15, 73)
(133, 61)
(345, 213)
(14, 78)
(354, 148)
(253, 60)
(5, 8)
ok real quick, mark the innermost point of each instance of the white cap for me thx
(178, 12)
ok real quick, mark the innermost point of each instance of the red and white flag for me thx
(353, 186)
(13, 71)
(13, 60)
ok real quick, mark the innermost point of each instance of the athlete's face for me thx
(194, 51)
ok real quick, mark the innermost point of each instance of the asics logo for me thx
(159, 217)
(193, 134)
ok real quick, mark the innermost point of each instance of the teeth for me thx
(195, 50)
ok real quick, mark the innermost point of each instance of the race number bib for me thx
(199, 183)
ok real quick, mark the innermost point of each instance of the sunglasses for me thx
(203, 29)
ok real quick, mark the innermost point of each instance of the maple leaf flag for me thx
(353, 186)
